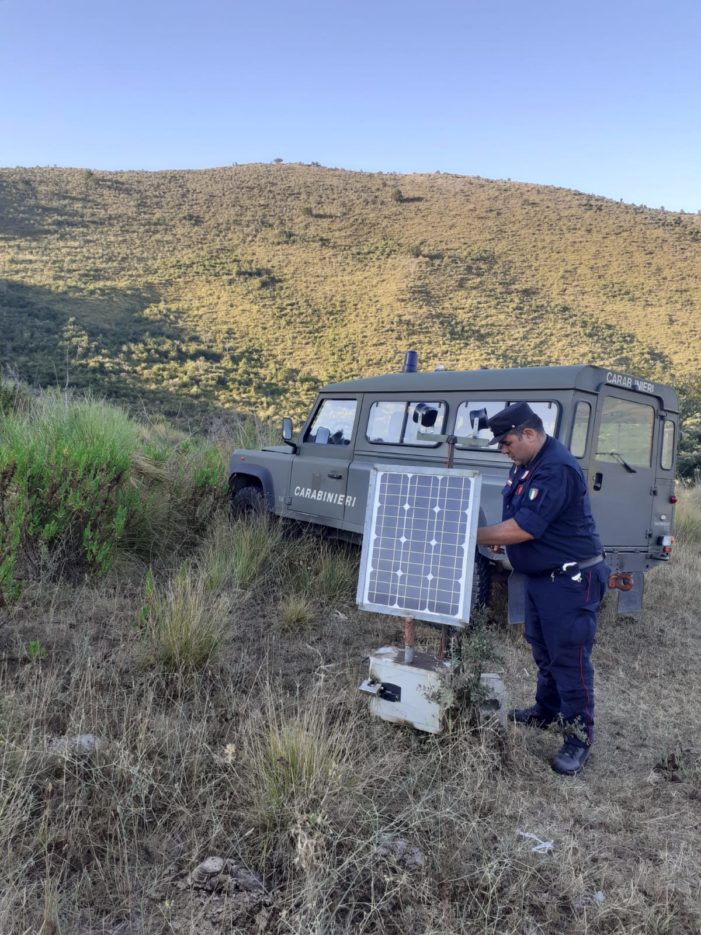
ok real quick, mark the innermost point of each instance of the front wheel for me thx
(247, 501)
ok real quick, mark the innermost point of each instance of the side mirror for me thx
(287, 433)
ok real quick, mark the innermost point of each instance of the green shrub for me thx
(14, 396)
(63, 500)
(179, 484)
(80, 482)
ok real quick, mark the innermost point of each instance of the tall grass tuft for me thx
(242, 554)
(180, 484)
(688, 515)
(300, 761)
(184, 621)
(295, 613)
(336, 573)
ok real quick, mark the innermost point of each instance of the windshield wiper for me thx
(619, 457)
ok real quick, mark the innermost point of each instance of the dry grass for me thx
(184, 621)
(296, 613)
(270, 760)
(249, 285)
(687, 520)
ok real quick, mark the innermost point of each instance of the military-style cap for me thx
(509, 419)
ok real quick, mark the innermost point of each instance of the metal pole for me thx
(451, 442)
(445, 637)
(409, 639)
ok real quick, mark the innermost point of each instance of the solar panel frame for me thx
(389, 554)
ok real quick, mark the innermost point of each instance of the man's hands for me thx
(507, 533)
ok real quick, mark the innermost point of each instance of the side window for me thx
(333, 422)
(625, 432)
(667, 458)
(397, 422)
(580, 427)
(470, 411)
(547, 411)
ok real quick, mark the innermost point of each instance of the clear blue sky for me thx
(599, 95)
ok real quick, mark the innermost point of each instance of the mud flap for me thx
(517, 598)
(630, 603)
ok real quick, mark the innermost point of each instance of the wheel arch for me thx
(254, 476)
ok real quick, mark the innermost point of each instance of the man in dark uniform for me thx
(551, 538)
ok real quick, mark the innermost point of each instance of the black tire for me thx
(481, 582)
(248, 501)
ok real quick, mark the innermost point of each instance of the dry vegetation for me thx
(204, 703)
(250, 285)
(175, 687)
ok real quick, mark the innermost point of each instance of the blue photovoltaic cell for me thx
(419, 540)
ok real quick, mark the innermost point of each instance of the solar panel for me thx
(418, 549)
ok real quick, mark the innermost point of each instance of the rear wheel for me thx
(247, 501)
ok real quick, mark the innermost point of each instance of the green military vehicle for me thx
(623, 430)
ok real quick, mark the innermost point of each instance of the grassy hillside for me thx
(248, 286)
(196, 697)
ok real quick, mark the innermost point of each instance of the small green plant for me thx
(477, 649)
(35, 651)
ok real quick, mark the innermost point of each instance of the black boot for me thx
(533, 717)
(571, 757)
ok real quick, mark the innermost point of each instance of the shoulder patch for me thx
(533, 493)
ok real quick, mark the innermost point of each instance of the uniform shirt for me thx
(548, 498)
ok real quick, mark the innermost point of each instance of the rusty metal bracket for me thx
(621, 581)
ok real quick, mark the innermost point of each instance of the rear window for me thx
(580, 427)
(397, 422)
(625, 432)
(469, 412)
(667, 458)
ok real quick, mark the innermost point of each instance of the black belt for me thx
(588, 562)
(574, 570)
(568, 569)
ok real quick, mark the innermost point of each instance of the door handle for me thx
(335, 475)
(598, 480)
